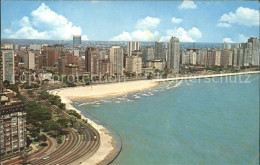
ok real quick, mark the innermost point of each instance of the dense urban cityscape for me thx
(44, 61)
(44, 82)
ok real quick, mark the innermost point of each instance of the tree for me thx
(63, 122)
(6, 83)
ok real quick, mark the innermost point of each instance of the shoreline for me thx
(110, 146)
(106, 151)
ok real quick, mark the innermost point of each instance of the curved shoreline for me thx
(110, 146)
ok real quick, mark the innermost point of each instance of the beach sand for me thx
(100, 91)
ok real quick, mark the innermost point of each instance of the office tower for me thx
(12, 123)
(174, 55)
(132, 46)
(76, 40)
(29, 60)
(92, 60)
(8, 66)
(134, 64)
(158, 51)
(116, 58)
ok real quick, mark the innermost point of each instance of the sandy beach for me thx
(111, 90)
(100, 91)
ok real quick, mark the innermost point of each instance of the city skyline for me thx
(232, 22)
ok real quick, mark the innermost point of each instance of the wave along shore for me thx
(107, 147)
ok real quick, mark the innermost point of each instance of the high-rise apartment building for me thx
(226, 57)
(134, 64)
(1, 71)
(92, 60)
(116, 58)
(255, 52)
(174, 55)
(29, 60)
(12, 124)
(149, 53)
(8, 66)
(158, 51)
(132, 46)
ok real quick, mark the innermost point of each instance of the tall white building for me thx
(174, 55)
(8, 66)
(132, 46)
(29, 60)
(116, 59)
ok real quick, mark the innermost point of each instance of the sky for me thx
(190, 21)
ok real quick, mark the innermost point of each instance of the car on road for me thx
(47, 157)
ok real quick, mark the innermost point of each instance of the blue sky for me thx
(191, 21)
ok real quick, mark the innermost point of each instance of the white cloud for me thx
(242, 38)
(7, 31)
(176, 20)
(148, 23)
(54, 26)
(194, 32)
(184, 35)
(186, 4)
(138, 35)
(242, 16)
(125, 36)
(226, 25)
(227, 40)
(84, 37)
(144, 35)
(143, 32)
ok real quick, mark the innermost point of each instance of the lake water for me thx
(202, 121)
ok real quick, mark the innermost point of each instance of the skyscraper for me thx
(76, 40)
(1, 71)
(29, 60)
(158, 51)
(12, 124)
(255, 50)
(174, 55)
(116, 58)
(8, 65)
(150, 53)
(92, 60)
(132, 46)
